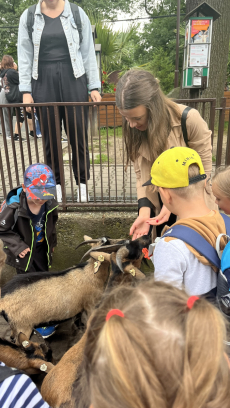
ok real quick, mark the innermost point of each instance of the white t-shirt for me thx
(175, 263)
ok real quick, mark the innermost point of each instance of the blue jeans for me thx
(38, 130)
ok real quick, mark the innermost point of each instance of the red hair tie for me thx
(191, 300)
(113, 312)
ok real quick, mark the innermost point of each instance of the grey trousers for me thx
(6, 117)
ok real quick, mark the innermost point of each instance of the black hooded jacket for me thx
(10, 83)
(18, 233)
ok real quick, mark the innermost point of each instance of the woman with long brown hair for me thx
(153, 346)
(152, 124)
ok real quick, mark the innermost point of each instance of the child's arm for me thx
(169, 263)
(10, 238)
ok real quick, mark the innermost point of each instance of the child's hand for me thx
(161, 218)
(23, 253)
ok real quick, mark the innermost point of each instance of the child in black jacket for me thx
(27, 221)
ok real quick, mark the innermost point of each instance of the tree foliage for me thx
(106, 8)
(11, 11)
(158, 39)
(115, 46)
(162, 68)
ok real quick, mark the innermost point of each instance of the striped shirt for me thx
(19, 391)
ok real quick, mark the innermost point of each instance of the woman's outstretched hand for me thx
(162, 217)
(140, 227)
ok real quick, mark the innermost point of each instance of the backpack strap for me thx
(6, 372)
(75, 12)
(227, 223)
(77, 19)
(183, 124)
(30, 19)
(195, 240)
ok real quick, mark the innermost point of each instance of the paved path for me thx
(110, 182)
(105, 181)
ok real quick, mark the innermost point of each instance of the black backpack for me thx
(76, 16)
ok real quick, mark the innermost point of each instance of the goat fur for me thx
(58, 387)
(29, 359)
(33, 299)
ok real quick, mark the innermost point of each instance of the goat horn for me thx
(122, 253)
(88, 252)
(92, 241)
(106, 248)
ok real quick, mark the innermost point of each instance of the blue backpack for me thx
(214, 256)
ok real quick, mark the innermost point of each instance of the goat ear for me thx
(95, 256)
(23, 340)
(86, 238)
(134, 271)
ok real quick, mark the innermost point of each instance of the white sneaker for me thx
(83, 194)
(39, 136)
(59, 193)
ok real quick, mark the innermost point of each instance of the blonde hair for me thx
(193, 189)
(160, 355)
(138, 87)
(222, 180)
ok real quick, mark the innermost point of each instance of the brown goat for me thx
(30, 357)
(35, 299)
(63, 387)
(58, 387)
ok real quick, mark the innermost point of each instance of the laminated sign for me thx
(197, 50)
(200, 31)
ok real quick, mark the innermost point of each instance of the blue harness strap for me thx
(227, 223)
(196, 241)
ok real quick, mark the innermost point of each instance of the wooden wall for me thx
(227, 95)
(110, 112)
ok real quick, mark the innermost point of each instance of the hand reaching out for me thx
(161, 218)
(139, 227)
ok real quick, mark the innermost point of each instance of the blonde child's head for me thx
(156, 352)
(178, 174)
(221, 188)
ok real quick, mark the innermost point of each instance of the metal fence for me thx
(111, 183)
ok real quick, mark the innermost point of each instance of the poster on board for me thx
(200, 31)
(198, 55)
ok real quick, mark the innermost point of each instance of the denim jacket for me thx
(82, 55)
